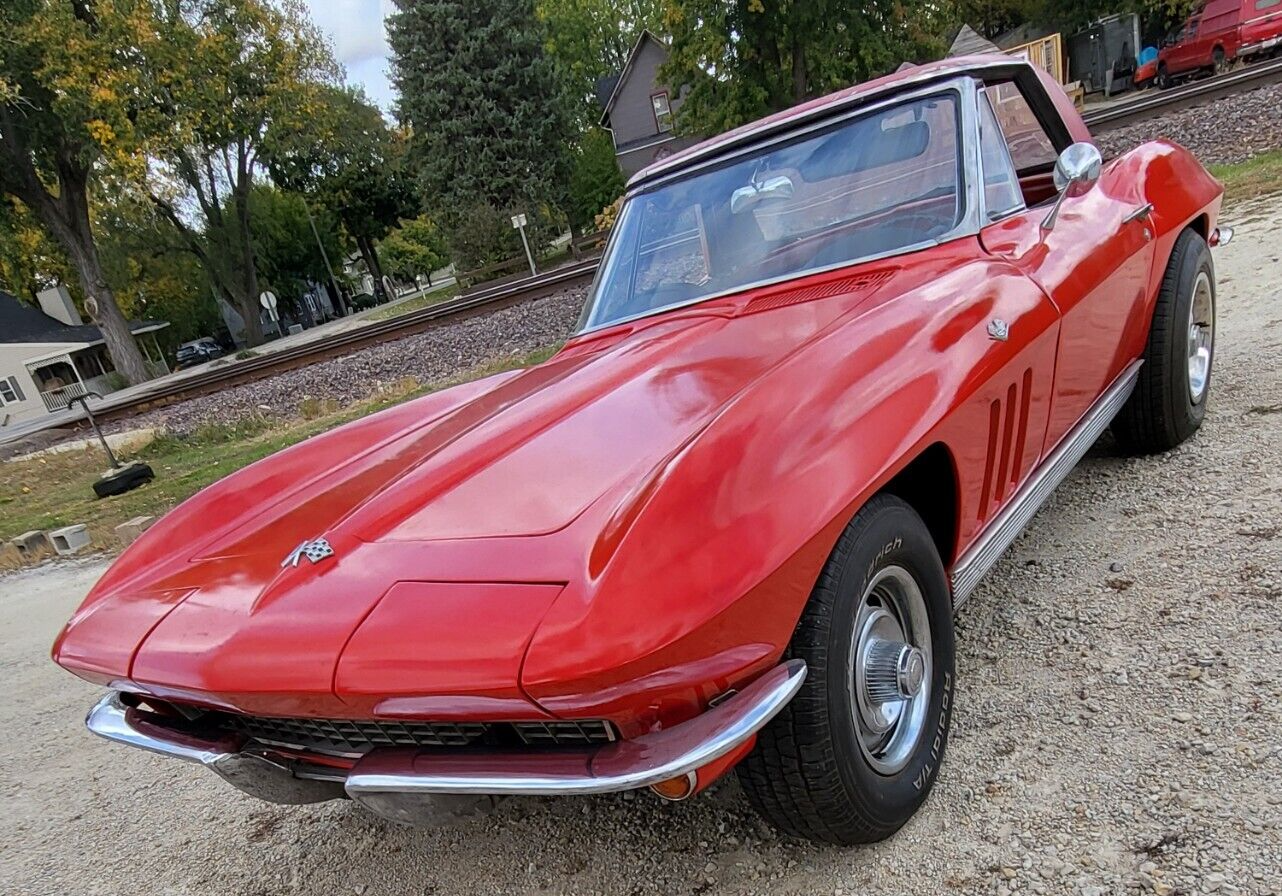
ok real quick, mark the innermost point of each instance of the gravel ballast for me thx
(1116, 729)
(1224, 131)
(428, 357)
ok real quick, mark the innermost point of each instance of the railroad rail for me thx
(474, 302)
(1159, 102)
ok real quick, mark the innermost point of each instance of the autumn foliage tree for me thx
(228, 70)
(69, 101)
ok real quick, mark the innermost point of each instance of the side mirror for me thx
(1076, 171)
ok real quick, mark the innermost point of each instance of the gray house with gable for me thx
(638, 109)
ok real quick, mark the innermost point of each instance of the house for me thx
(638, 109)
(49, 355)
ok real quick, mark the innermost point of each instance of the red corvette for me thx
(831, 365)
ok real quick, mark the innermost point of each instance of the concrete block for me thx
(33, 543)
(69, 540)
(129, 530)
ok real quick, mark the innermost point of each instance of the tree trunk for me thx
(800, 74)
(76, 235)
(248, 298)
(370, 255)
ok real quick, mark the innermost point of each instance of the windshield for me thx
(877, 183)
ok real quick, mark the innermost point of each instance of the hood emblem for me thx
(998, 329)
(314, 549)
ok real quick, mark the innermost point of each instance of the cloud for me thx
(359, 37)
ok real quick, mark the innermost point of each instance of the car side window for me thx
(1030, 146)
(1002, 194)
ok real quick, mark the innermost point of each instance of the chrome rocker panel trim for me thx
(980, 557)
(391, 782)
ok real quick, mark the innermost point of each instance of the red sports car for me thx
(831, 364)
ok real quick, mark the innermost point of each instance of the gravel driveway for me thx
(1118, 726)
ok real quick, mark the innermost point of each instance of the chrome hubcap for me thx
(891, 670)
(1201, 330)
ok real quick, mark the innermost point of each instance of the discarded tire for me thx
(117, 482)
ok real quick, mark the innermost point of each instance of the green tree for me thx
(68, 101)
(345, 158)
(230, 68)
(589, 39)
(415, 248)
(152, 270)
(289, 260)
(742, 59)
(490, 120)
(596, 180)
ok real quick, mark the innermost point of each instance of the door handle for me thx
(1143, 213)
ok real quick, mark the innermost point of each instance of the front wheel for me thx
(855, 753)
(1169, 401)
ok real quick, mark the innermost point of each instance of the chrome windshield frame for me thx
(969, 222)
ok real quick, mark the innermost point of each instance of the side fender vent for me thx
(866, 281)
(1007, 439)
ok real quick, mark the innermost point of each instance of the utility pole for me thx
(325, 255)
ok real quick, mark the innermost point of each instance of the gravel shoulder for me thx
(1118, 725)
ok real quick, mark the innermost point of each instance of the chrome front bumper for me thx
(396, 782)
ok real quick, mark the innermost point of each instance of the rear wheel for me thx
(1218, 62)
(1169, 401)
(855, 753)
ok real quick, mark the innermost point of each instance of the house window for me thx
(662, 112)
(10, 392)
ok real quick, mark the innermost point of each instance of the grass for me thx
(418, 302)
(56, 490)
(1259, 176)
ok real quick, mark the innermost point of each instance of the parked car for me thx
(831, 364)
(199, 351)
(1218, 32)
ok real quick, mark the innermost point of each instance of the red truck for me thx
(1217, 33)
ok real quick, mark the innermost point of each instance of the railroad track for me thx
(469, 304)
(1158, 102)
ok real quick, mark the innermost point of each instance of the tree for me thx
(289, 259)
(151, 268)
(415, 248)
(229, 68)
(596, 180)
(29, 259)
(490, 122)
(346, 158)
(590, 39)
(742, 59)
(68, 96)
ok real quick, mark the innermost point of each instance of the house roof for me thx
(605, 89)
(21, 323)
(622, 76)
(969, 42)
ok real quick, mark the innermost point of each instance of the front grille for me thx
(355, 738)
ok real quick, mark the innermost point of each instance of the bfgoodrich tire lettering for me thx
(809, 775)
(1169, 401)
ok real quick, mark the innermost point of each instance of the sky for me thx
(355, 29)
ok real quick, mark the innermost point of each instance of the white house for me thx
(49, 355)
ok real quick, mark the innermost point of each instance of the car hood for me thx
(489, 470)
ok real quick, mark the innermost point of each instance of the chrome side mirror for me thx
(1076, 171)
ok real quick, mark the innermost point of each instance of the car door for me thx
(1094, 264)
